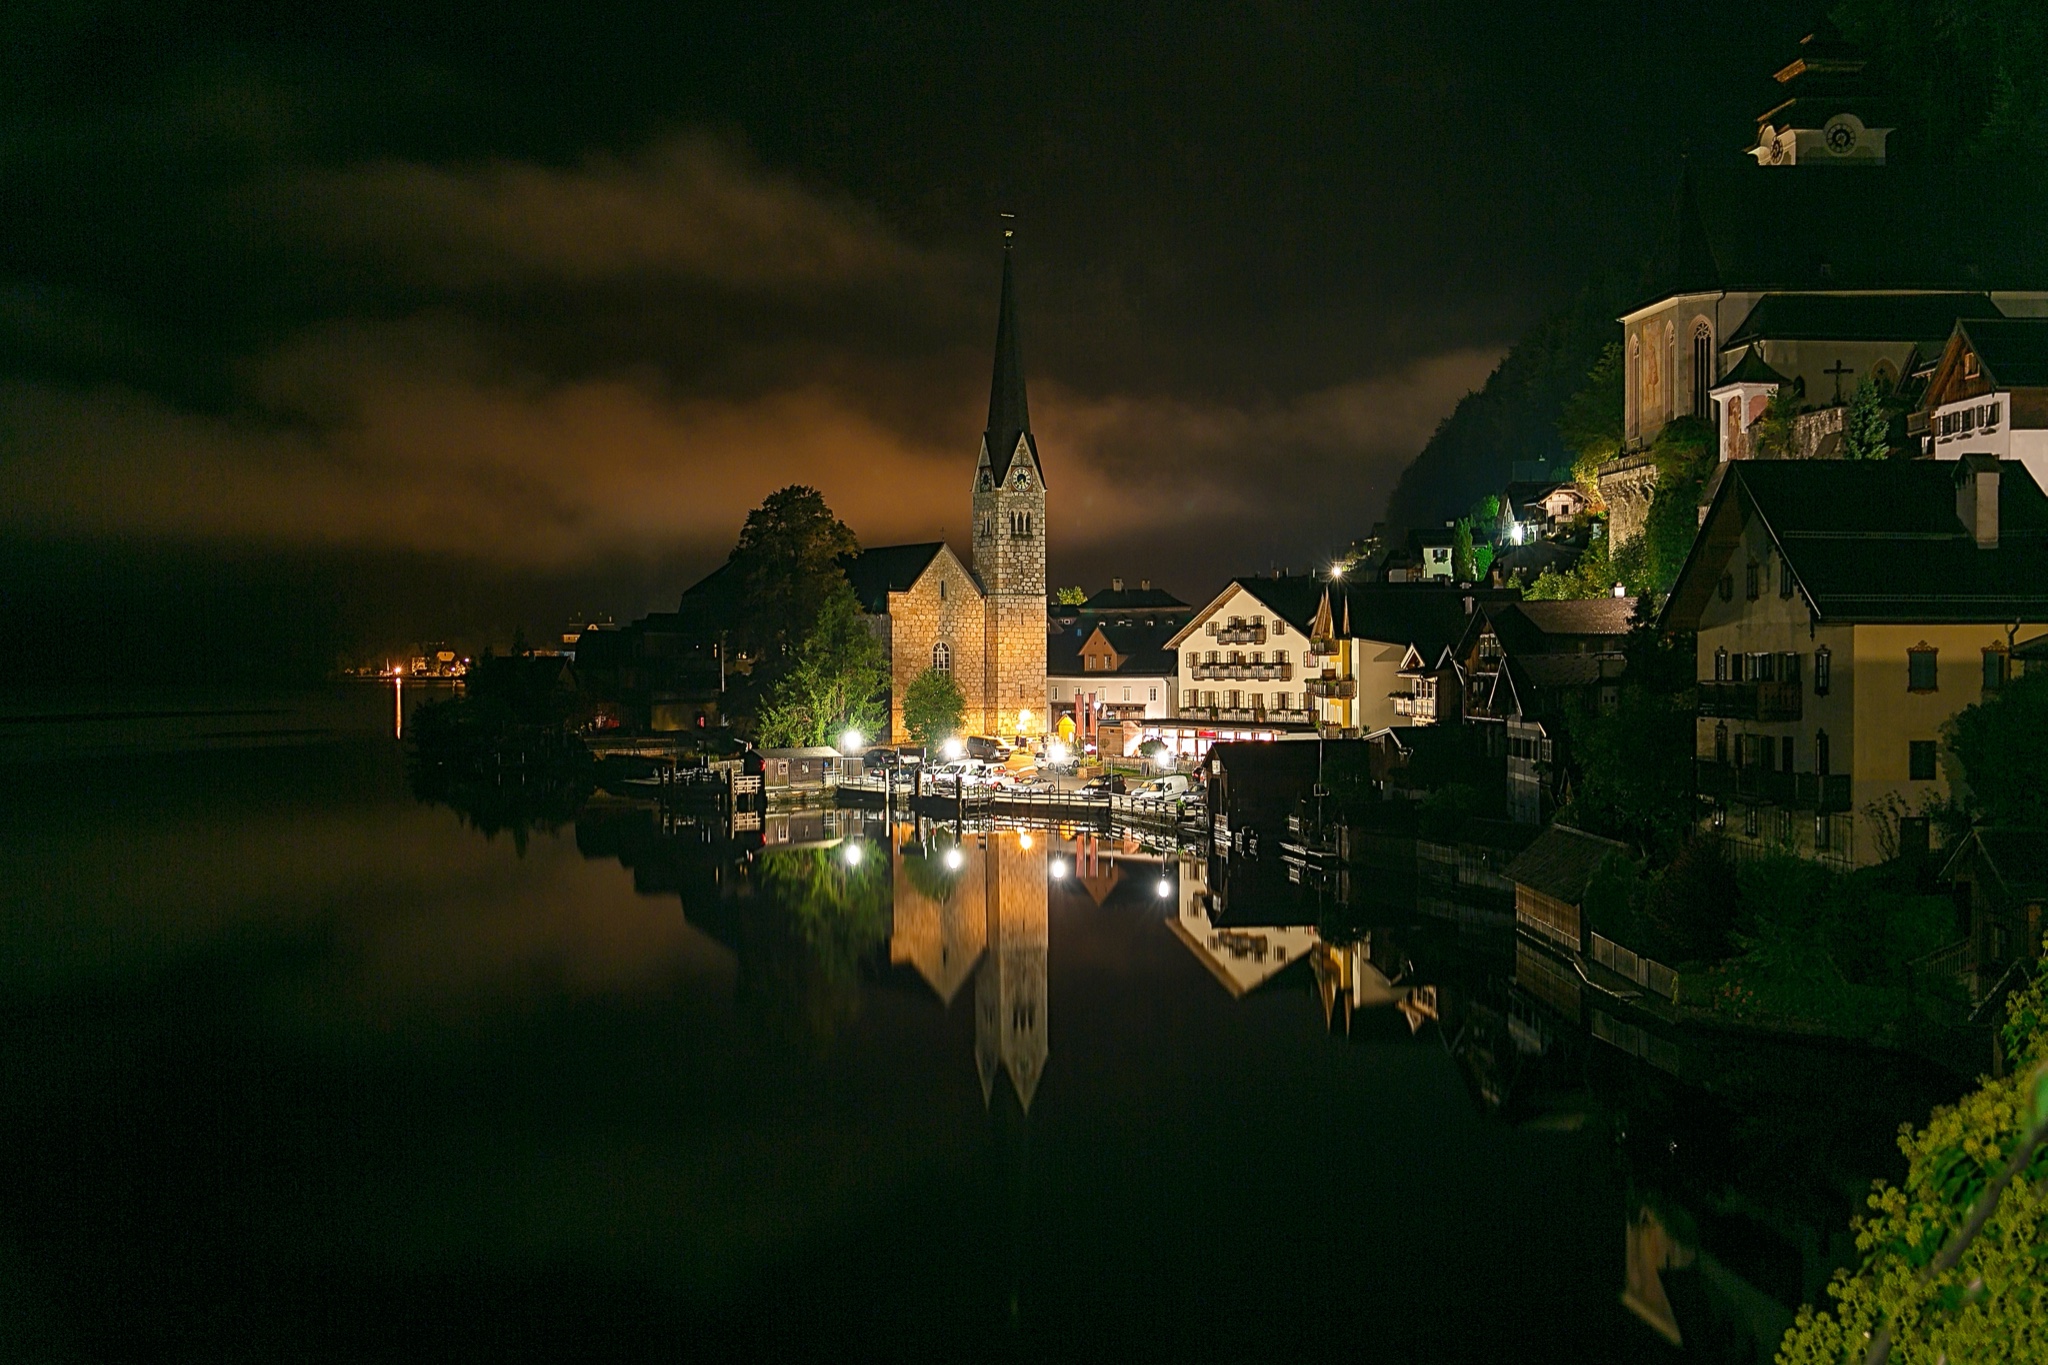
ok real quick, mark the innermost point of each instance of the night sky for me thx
(464, 317)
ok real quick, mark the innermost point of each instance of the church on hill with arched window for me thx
(984, 622)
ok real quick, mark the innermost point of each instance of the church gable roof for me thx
(876, 573)
(1878, 227)
(1924, 319)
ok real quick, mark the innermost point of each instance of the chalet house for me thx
(1426, 558)
(1110, 671)
(1527, 667)
(1532, 510)
(815, 768)
(1989, 394)
(1302, 652)
(1843, 611)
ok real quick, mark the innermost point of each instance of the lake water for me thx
(300, 1067)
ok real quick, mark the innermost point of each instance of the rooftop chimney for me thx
(1116, 585)
(1145, 585)
(1977, 498)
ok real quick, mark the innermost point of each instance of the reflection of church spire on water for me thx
(1010, 994)
(980, 907)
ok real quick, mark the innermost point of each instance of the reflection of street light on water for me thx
(1166, 886)
(954, 858)
(1023, 841)
(852, 853)
(1058, 867)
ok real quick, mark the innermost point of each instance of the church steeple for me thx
(1009, 413)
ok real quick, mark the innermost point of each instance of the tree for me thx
(838, 681)
(1590, 423)
(1951, 1260)
(1635, 763)
(1771, 435)
(933, 707)
(1866, 427)
(786, 564)
(1069, 597)
(1461, 552)
(2001, 744)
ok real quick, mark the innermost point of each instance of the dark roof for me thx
(2013, 351)
(1752, 369)
(1522, 492)
(1134, 599)
(2030, 650)
(1009, 415)
(1591, 616)
(1561, 862)
(1427, 615)
(1877, 227)
(2019, 857)
(1925, 319)
(1878, 541)
(885, 569)
(1141, 647)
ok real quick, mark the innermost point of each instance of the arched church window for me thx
(1702, 368)
(1635, 382)
(1884, 374)
(942, 657)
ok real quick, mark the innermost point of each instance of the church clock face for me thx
(1020, 480)
(986, 481)
(1840, 134)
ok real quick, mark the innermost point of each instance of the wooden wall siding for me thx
(1548, 917)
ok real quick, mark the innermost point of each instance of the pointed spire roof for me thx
(1009, 414)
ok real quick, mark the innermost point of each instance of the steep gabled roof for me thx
(1924, 319)
(2013, 351)
(876, 573)
(1009, 413)
(1133, 599)
(1877, 227)
(1562, 862)
(1141, 649)
(1751, 369)
(1877, 540)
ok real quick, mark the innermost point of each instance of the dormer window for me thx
(1969, 364)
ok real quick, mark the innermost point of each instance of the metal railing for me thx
(1822, 793)
(1242, 635)
(1341, 688)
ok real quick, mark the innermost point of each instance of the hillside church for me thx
(985, 624)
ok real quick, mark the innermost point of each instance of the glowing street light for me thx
(1056, 752)
(851, 741)
(953, 748)
(1024, 721)
(1336, 571)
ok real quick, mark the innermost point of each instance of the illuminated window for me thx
(1922, 675)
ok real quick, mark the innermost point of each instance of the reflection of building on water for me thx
(1350, 981)
(981, 902)
(1241, 957)
(1010, 995)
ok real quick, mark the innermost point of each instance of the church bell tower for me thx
(1009, 536)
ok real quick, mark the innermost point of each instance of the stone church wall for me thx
(922, 618)
(1627, 486)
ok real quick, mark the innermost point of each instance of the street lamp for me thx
(1336, 571)
(953, 748)
(851, 741)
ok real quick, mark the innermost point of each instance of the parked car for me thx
(986, 749)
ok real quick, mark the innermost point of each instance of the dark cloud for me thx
(559, 299)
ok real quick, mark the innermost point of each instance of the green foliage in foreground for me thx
(838, 681)
(1992, 1304)
(933, 707)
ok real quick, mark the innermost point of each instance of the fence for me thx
(1645, 972)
